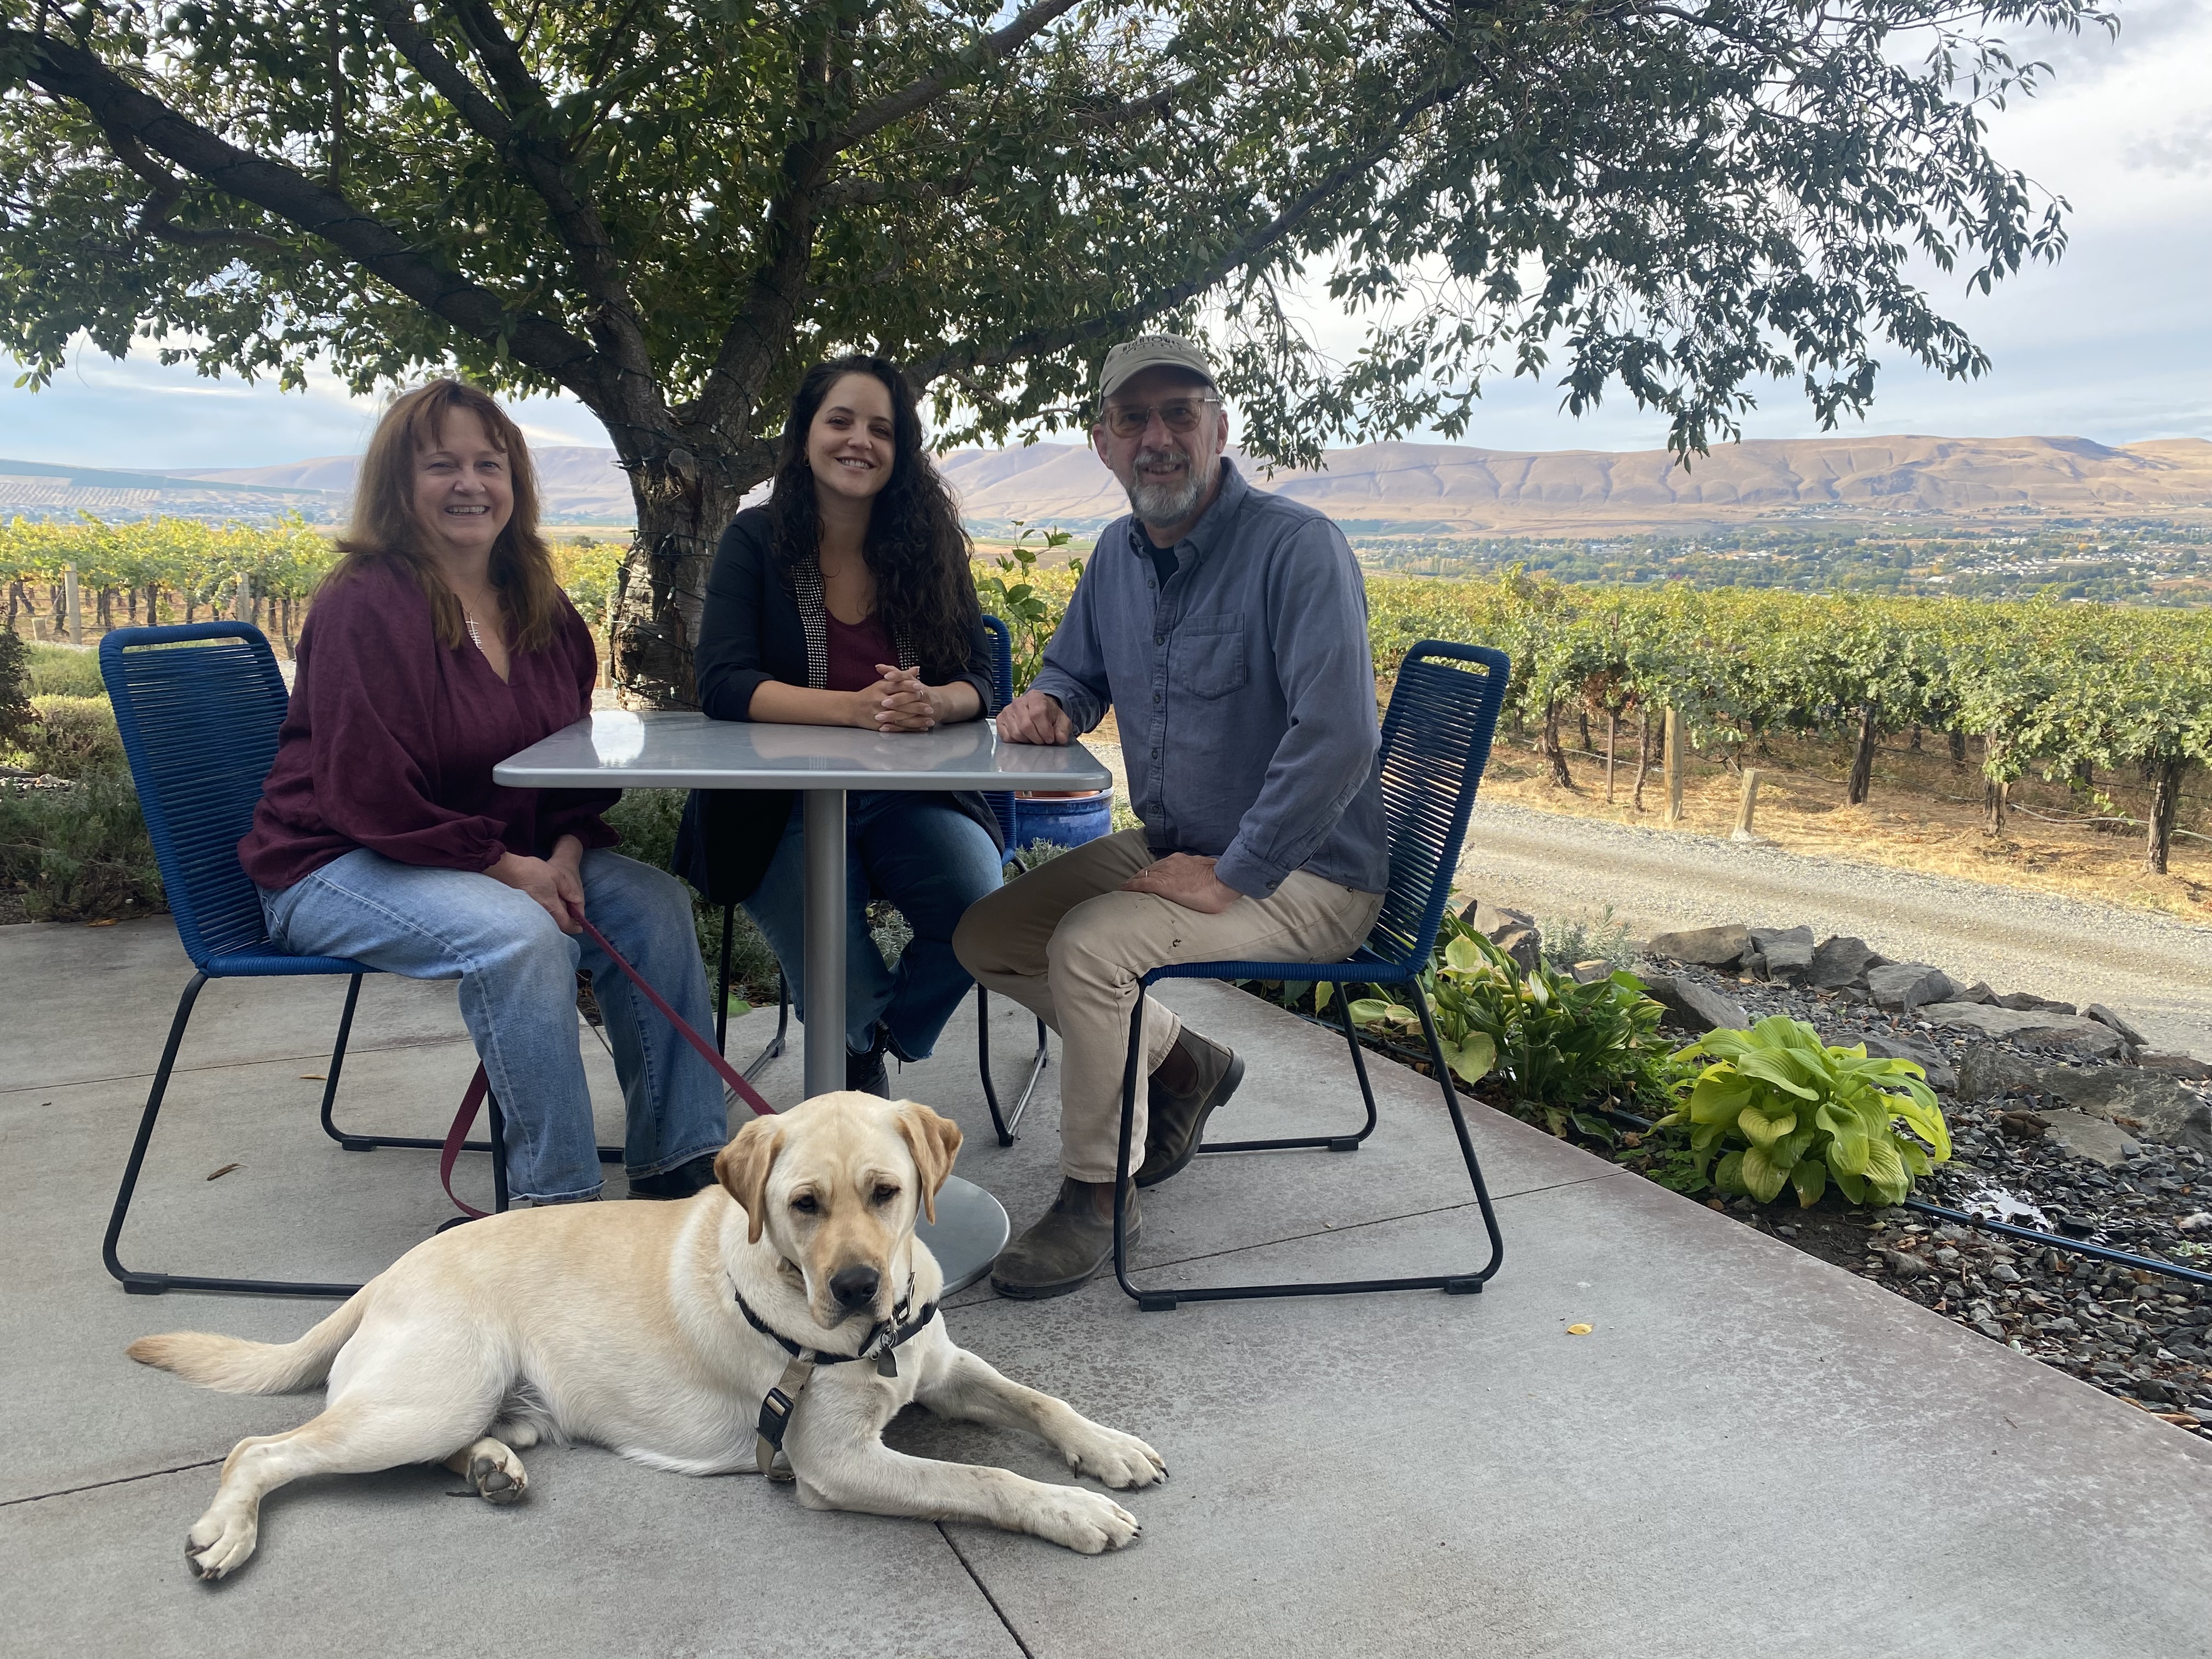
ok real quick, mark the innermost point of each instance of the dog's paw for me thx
(1117, 1460)
(1087, 1522)
(497, 1474)
(219, 1544)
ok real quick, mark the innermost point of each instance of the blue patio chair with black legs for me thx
(198, 707)
(1002, 808)
(1436, 742)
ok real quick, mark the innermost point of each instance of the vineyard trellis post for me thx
(73, 612)
(1673, 766)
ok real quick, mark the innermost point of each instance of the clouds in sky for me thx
(2114, 343)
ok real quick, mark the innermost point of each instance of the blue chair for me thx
(1436, 741)
(1002, 808)
(198, 707)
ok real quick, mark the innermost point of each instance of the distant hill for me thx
(1375, 489)
(39, 489)
(1453, 489)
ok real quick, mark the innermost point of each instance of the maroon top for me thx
(391, 739)
(855, 648)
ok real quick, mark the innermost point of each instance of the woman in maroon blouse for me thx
(440, 644)
(848, 600)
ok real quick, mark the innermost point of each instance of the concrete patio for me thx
(1752, 1453)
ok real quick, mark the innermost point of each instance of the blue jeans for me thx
(517, 974)
(928, 858)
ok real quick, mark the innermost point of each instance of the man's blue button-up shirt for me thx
(1243, 688)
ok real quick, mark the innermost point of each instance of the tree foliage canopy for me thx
(668, 208)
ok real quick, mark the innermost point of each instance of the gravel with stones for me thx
(2141, 1335)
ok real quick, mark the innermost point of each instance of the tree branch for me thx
(1158, 106)
(919, 94)
(153, 219)
(968, 356)
(540, 159)
(128, 115)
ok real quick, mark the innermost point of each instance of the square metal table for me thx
(677, 749)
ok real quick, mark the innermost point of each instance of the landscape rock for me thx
(1928, 1058)
(2027, 1003)
(1905, 986)
(1707, 947)
(1588, 973)
(2152, 1060)
(2165, 1108)
(2104, 1016)
(1977, 992)
(1513, 931)
(1788, 960)
(2034, 1030)
(1763, 938)
(2096, 1139)
(1839, 960)
(1693, 1006)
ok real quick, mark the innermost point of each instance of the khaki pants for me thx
(1068, 945)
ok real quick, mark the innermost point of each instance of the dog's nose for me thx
(854, 1287)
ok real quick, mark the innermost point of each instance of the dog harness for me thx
(782, 1400)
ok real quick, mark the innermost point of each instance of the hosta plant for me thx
(1556, 1047)
(1778, 1108)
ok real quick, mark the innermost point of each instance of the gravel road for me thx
(2155, 969)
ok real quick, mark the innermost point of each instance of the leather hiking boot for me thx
(1175, 1118)
(1063, 1250)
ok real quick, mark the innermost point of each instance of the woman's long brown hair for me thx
(915, 547)
(383, 533)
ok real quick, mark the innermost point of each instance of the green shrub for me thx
(1586, 939)
(70, 736)
(65, 671)
(1558, 1049)
(15, 688)
(79, 854)
(1778, 1108)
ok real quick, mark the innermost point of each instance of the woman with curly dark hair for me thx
(846, 600)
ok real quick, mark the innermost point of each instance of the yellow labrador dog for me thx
(659, 1330)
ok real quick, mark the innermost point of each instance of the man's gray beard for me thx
(1160, 505)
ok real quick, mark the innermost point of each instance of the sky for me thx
(2114, 343)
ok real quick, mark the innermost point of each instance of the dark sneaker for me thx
(867, 1072)
(681, 1182)
(1175, 1120)
(1061, 1252)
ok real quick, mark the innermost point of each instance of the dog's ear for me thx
(743, 1167)
(935, 1142)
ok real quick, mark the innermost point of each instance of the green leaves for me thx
(1873, 1126)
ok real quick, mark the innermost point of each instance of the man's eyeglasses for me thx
(1179, 415)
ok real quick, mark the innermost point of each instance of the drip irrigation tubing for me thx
(1964, 1217)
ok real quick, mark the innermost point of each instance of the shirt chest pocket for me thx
(1207, 658)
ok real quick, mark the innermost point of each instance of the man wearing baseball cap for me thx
(1226, 628)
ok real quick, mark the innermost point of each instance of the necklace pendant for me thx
(887, 1363)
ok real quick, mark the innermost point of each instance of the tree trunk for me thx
(1915, 740)
(1548, 746)
(1995, 790)
(1612, 732)
(1582, 726)
(2165, 807)
(2085, 778)
(1862, 762)
(1958, 748)
(682, 507)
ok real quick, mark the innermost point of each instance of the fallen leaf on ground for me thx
(311, 1077)
(1579, 1330)
(226, 1169)
(106, 921)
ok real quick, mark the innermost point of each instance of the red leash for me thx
(480, 1086)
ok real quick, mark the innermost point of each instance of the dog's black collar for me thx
(882, 1337)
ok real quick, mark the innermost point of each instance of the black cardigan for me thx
(757, 626)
